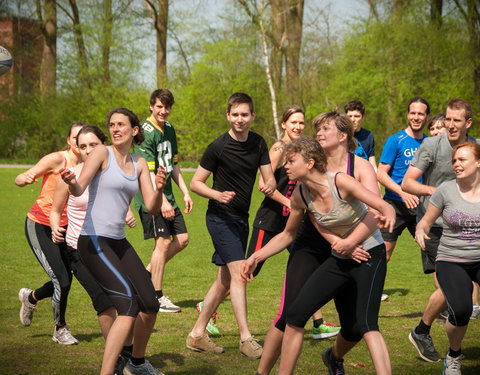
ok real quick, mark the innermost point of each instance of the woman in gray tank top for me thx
(334, 196)
(458, 257)
(113, 176)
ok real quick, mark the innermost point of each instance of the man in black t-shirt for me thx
(233, 159)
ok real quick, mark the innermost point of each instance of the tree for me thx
(107, 39)
(159, 15)
(47, 16)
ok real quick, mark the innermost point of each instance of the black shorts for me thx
(430, 253)
(405, 218)
(156, 226)
(229, 237)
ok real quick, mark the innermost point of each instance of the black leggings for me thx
(53, 259)
(304, 259)
(455, 280)
(120, 272)
(357, 287)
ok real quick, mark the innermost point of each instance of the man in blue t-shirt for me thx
(396, 157)
(355, 111)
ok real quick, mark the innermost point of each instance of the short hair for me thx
(355, 105)
(434, 119)
(473, 146)
(418, 99)
(240, 98)
(343, 124)
(164, 95)
(134, 121)
(458, 104)
(308, 148)
(95, 130)
(290, 110)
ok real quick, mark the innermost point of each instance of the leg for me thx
(158, 261)
(436, 304)
(271, 350)
(106, 319)
(379, 352)
(291, 349)
(141, 334)
(238, 296)
(389, 246)
(116, 338)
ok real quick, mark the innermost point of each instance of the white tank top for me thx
(110, 195)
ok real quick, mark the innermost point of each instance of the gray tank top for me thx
(111, 192)
(343, 217)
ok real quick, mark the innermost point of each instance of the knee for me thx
(183, 242)
(352, 334)
(460, 317)
(162, 244)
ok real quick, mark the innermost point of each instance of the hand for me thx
(420, 237)
(130, 219)
(266, 189)
(58, 234)
(343, 247)
(68, 176)
(411, 201)
(188, 204)
(160, 178)
(359, 255)
(226, 196)
(29, 178)
(168, 212)
(247, 268)
(387, 220)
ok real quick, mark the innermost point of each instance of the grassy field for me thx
(30, 350)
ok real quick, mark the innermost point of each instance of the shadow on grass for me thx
(162, 361)
(396, 291)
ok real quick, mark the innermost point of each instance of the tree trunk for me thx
(159, 15)
(278, 39)
(107, 40)
(48, 67)
(82, 51)
(294, 25)
(436, 7)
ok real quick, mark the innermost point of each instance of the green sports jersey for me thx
(159, 149)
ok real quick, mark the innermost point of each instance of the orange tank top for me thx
(40, 211)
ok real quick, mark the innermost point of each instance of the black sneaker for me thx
(424, 345)
(119, 366)
(335, 366)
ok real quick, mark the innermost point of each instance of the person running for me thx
(87, 139)
(458, 256)
(234, 159)
(433, 161)
(356, 276)
(113, 176)
(436, 125)
(355, 111)
(167, 228)
(50, 255)
(397, 155)
(309, 250)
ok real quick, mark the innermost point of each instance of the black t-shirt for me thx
(234, 166)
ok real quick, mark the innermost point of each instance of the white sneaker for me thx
(63, 336)
(452, 365)
(475, 312)
(144, 369)
(168, 306)
(27, 308)
(384, 297)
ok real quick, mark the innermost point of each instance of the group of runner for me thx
(322, 204)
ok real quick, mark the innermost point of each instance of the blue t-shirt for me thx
(398, 152)
(365, 141)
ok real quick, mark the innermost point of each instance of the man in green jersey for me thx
(168, 228)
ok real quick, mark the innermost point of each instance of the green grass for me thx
(30, 350)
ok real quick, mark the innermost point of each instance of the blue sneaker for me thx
(145, 368)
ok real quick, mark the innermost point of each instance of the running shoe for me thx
(325, 330)
(251, 348)
(63, 336)
(212, 327)
(424, 345)
(475, 312)
(203, 344)
(26, 309)
(384, 297)
(168, 306)
(452, 365)
(334, 365)
(145, 368)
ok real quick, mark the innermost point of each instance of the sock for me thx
(317, 322)
(127, 351)
(422, 328)
(454, 353)
(32, 299)
(159, 293)
(137, 361)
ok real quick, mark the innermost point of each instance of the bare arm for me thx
(199, 186)
(53, 162)
(411, 185)
(152, 193)
(278, 243)
(58, 205)
(269, 183)
(276, 153)
(178, 178)
(424, 225)
(365, 173)
(373, 161)
(411, 201)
